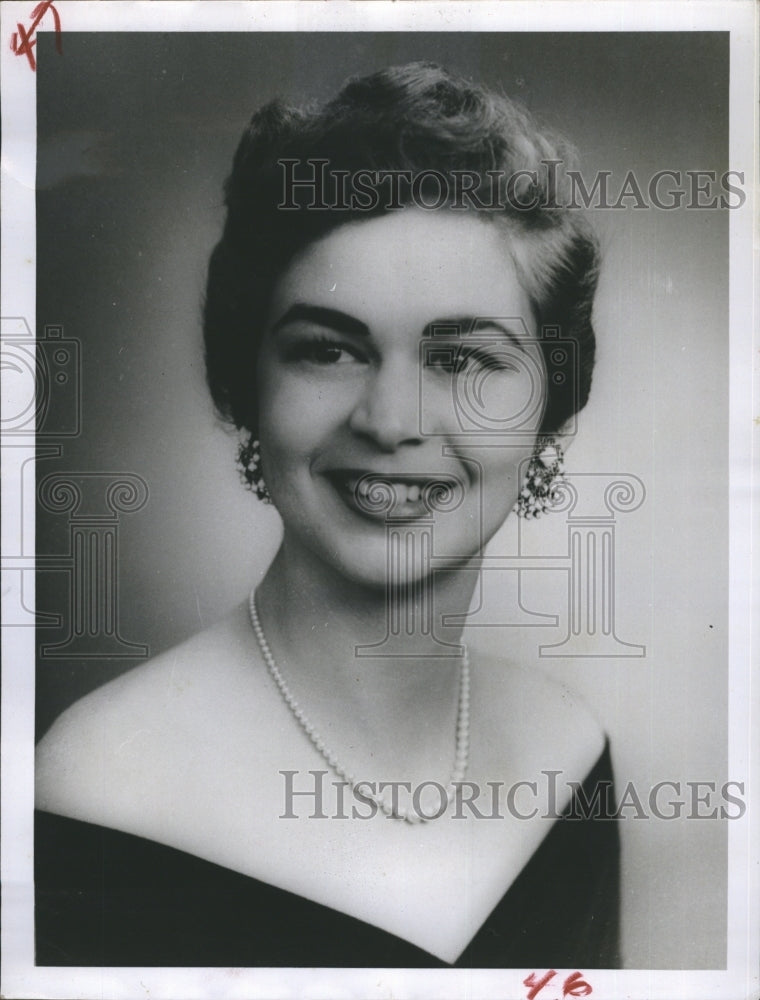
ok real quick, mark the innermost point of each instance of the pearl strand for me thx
(462, 729)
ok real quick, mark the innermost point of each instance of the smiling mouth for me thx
(397, 495)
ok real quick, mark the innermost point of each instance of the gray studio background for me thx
(135, 136)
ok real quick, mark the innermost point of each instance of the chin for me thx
(374, 560)
(366, 562)
(360, 548)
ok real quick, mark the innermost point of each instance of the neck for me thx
(319, 625)
(313, 610)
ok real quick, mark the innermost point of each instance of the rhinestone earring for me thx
(545, 473)
(249, 462)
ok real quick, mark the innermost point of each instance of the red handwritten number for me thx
(22, 42)
(574, 986)
(537, 984)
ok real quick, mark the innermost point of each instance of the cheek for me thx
(280, 412)
(498, 402)
(501, 476)
(295, 413)
(509, 469)
(507, 398)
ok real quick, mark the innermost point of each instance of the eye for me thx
(461, 358)
(323, 351)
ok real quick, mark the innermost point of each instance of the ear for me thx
(565, 435)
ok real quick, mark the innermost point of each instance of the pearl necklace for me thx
(462, 733)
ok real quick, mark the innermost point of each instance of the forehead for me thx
(409, 267)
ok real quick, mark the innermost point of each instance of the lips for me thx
(395, 494)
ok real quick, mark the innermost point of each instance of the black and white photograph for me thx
(378, 499)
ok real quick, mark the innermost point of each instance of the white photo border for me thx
(20, 977)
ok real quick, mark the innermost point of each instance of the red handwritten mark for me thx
(537, 984)
(574, 986)
(22, 42)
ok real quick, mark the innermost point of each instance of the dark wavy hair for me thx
(417, 117)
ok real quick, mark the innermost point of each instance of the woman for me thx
(315, 779)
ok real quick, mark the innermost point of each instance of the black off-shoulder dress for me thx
(105, 898)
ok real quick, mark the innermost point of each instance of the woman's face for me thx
(400, 360)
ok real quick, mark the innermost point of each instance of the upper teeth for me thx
(403, 492)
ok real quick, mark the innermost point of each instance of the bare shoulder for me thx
(535, 716)
(128, 737)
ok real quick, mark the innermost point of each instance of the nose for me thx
(388, 410)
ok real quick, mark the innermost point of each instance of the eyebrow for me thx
(323, 316)
(471, 324)
(341, 322)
